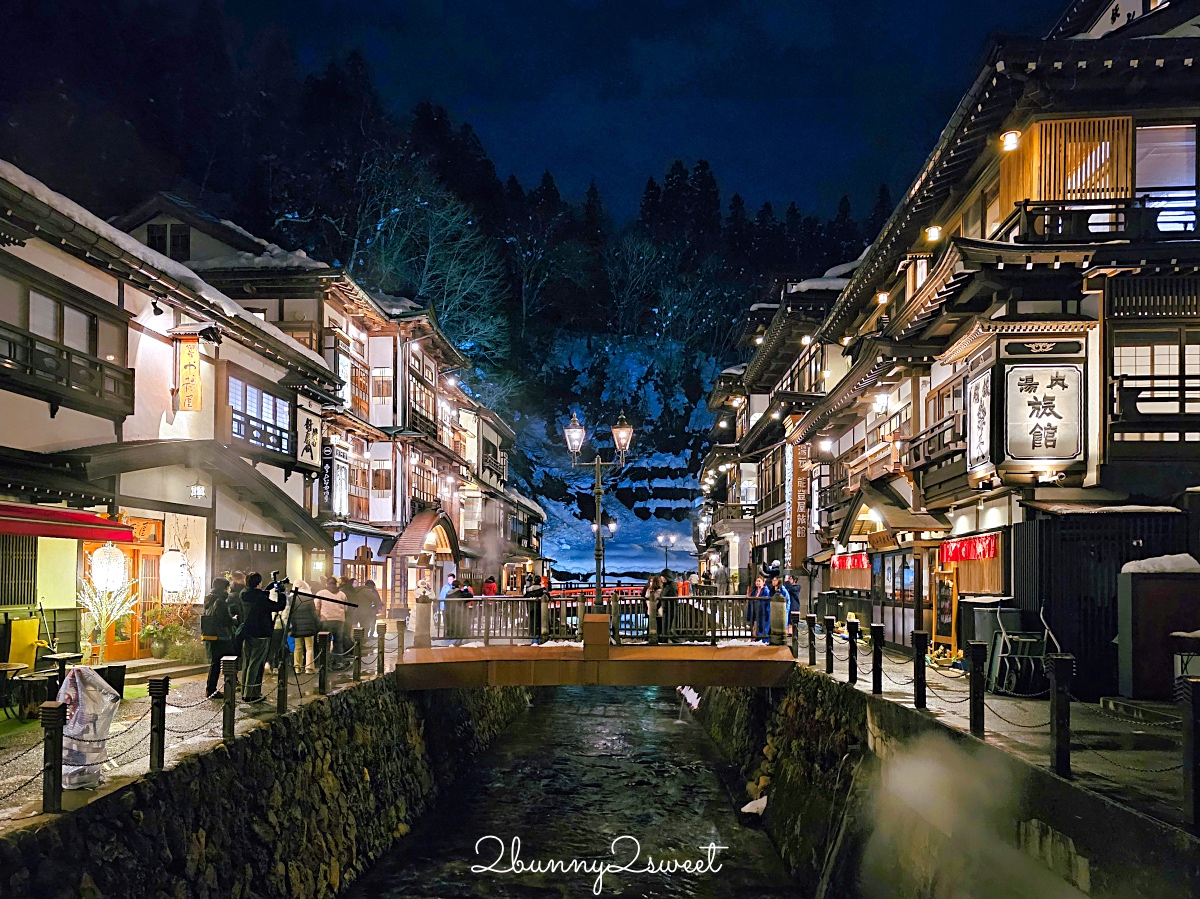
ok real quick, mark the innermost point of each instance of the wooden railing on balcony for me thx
(304, 333)
(494, 465)
(1088, 221)
(62, 376)
(833, 494)
(419, 421)
(733, 511)
(882, 459)
(1155, 400)
(947, 437)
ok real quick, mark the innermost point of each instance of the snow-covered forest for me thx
(560, 307)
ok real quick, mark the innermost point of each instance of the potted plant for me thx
(107, 600)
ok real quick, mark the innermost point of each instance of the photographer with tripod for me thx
(258, 623)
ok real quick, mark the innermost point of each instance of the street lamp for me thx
(575, 434)
(666, 541)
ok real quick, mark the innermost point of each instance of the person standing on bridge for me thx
(257, 625)
(305, 622)
(333, 614)
(666, 604)
(758, 609)
(534, 591)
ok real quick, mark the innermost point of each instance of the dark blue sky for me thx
(799, 100)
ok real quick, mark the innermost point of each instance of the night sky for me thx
(799, 100)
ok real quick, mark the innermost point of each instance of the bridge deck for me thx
(748, 665)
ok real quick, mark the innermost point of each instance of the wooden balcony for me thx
(494, 466)
(419, 421)
(61, 376)
(733, 512)
(1092, 221)
(882, 459)
(940, 441)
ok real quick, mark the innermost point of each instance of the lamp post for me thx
(575, 434)
(666, 541)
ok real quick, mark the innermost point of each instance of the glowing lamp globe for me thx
(110, 569)
(575, 433)
(622, 434)
(173, 571)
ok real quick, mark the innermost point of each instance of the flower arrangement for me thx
(105, 606)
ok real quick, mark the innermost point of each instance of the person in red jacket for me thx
(490, 587)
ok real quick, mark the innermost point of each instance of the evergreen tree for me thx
(650, 213)
(592, 226)
(704, 214)
(676, 204)
(880, 214)
(545, 201)
(737, 237)
(844, 238)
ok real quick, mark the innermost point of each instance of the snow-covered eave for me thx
(64, 224)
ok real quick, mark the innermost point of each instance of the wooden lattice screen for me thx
(1070, 159)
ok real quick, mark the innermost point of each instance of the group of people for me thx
(768, 585)
(247, 619)
(663, 588)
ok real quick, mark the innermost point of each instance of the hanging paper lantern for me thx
(110, 569)
(173, 571)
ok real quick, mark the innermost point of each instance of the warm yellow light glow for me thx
(775, 415)
(826, 445)
(622, 434)
(933, 233)
(825, 373)
(845, 341)
(758, 340)
(722, 424)
(805, 340)
(881, 298)
(1010, 140)
(574, 434)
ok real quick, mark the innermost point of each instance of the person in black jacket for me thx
(666, 604)
(258, 609)
(217, 629)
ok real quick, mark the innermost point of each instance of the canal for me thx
(581, 768)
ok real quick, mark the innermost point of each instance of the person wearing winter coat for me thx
(257, 625)
(305, 624)
(490, 587)
(758, 610)
(534, 591)
(217, 629)
(370, 607)
(666, 605)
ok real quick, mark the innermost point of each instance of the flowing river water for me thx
(580, 769)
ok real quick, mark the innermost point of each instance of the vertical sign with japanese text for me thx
(1044, 413)
(800, 471)
(190, 396)
(979, 421)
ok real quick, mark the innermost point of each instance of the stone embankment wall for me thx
(296, 808)
(870, 798)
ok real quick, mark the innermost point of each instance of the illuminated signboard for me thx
(1044, 413)
(190, 396)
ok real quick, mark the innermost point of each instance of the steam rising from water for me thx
(944, 825)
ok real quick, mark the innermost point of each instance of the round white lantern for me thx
(110, 569)
(173, 571)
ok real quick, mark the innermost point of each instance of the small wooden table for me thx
(61, 659)
(7, 670)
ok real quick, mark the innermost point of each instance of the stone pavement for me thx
(1135, 763)
(193, 723)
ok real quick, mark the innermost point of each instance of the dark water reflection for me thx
(584, 766)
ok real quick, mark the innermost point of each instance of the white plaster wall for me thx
(234, 515)
(203, 246)
(67, 267)
(293, 486)
(28, 426)
(170, 484)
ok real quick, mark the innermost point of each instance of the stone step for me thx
(173, 669)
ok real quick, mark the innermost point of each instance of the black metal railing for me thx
(1086, 221)
(944, 438)
(58, 374)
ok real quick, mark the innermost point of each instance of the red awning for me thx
(52, 521)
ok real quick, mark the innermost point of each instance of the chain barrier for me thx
(1042, 694)
(1139, 768)
(1133, 722)
(943, 698)
(899, 683)
(110, 736)
(192, 730)
(1045, 723)
(13, 792)
(24, 752)
(188, 705)
(128, 749)
(936, 670)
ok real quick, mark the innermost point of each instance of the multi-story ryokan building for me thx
(267, 413)
(1002, 404)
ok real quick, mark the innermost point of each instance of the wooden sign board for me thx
(945, 608)
(190, 396)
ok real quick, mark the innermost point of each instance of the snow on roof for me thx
(522, 500)
(739, 369)
(1161, 564)
(757, 306)
(139, 250)
(833, 279)
(273, 257)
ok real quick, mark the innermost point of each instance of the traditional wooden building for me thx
(408, 461)
(1013, 413)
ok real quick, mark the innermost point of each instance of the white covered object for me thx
(756, 807)
(1182, 562)
(91, 706)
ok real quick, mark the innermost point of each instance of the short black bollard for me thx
(877, 658)
(852, 630)
(358, 643)
(158, 688)
(281, 684)
(830, 622)
(53, 716)
(811, 618)
(1059, 668)
(380, 646)
(920, 642)
(229, 669)
(323, 662)
(977, 652)
(1191, 749)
